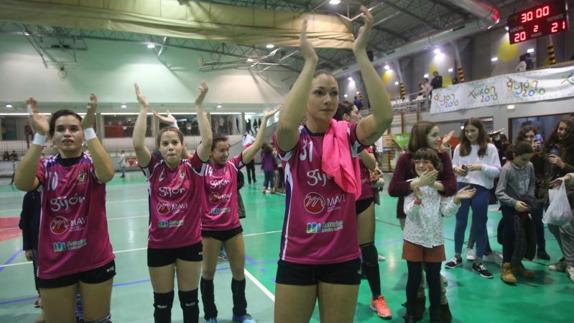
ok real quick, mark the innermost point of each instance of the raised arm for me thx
(168, 119)
(249, 152)
(373, 126)
(296, 101)
(25, 177)
(102, 161)
(204, 147)
(143, 154)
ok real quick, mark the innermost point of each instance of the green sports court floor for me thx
(549, 298)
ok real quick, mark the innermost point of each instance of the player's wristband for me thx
(39, 139)
(89, 134)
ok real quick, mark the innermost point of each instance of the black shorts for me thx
(362, 205)
(345, 273)
(164, 257)
(222, 235)
(94, 276)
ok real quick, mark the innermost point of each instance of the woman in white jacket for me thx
(476, 163)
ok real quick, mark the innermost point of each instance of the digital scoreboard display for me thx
(548, 18)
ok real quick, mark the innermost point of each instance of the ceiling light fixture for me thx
(270, 46)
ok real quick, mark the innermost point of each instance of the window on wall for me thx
(544, 124)
(225, 124)
(15, 128)
(122, 126)
(186, 123)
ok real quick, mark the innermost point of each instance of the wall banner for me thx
(530, 86)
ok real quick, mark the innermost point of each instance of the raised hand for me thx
(201, 93)
(141, 99)
(306, 47)
(557, 182)
(459, 171)
(360, 44)
(270, 112)
(444, 144)
(39, 122)
(428, 178)
(465, 193)
(90, 118)
(555, 160)
(168, 119)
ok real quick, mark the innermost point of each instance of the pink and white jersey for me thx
(73, 226)
(320, 218)
(366, 188)
(175, 201)
(220, 203)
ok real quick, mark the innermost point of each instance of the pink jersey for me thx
(320, 219)
(73, 226)
(175, 201)
(220, 203)
(366, 189)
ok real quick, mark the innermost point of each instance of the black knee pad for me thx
(162, 304)
(369, 254)
(189, 305)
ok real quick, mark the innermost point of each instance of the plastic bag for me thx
(559, 211)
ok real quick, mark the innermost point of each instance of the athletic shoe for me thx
(559, 266)
(481, 269)
(453, 263)
(380, 306)
(570, 272)
(243, 319)
(470, 254)
(381, 258)
(542, 255)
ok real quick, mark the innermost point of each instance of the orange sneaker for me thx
(380, 306)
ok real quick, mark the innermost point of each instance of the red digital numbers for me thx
(520, 36)
(535, 29)
(535, 14)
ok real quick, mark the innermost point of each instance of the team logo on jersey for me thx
(216, 198)
(162, 208)
(82, 177)
(59, 225)
(314, 203)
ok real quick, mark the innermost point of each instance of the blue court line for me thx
(9, 260)
(128, 283)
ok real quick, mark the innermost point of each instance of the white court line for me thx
(261, 233)
(144, 248)
(129, 250)
(258, 284)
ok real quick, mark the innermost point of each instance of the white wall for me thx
(109, 69)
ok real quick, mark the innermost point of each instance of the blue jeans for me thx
(479, 205)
